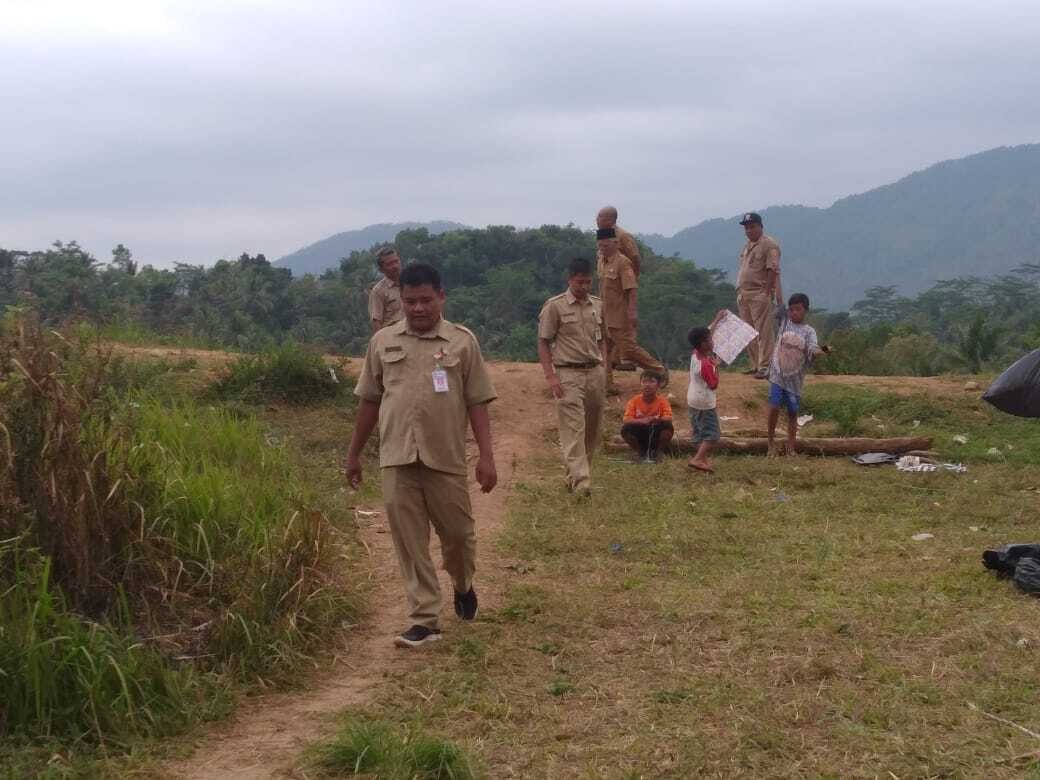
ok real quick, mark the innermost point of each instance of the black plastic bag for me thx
(1027, 575)
(1017, 390)
(1003, 560)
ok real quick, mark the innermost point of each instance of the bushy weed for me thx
(287, 374)
(375, 748)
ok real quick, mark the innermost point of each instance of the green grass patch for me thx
(288, 374)
(991, 436)
(380, 749)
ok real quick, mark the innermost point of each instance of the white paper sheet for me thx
(731, 336)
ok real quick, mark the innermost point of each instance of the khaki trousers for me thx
(624, 340)
(417, 497)
(757, 311)
(580, 414)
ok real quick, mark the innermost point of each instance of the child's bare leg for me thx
(700, 460)
(792, 432)
(774, 416)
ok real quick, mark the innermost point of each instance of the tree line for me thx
(497, 279)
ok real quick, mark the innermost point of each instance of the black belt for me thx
(577, 365)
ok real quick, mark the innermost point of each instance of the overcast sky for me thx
(192, 131)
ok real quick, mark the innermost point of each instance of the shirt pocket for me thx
(570, 318)
(394, 367)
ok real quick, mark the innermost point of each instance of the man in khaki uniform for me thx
(384, 299)
(758, 288)
(422, 379)
(618, 289)
(572, 351)
(606, 217)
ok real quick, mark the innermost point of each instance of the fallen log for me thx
(835, 446)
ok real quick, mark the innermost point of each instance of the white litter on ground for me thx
(960, 438)
(804, 420)
(916, 464)
(922, 537)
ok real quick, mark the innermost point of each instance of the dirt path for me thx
(265, 736)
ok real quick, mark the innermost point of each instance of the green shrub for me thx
(125, 518)
(288, 374)
(375, 748)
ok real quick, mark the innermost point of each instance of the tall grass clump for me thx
(286, 374)
(375, 748)
(150, 553)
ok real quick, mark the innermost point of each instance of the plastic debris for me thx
(993, 451)
(1017, 390)
(804, 420)
(728, 419)
(332, 373)
(915, 424)
(875, 458)
(922, 537)
(960, 438)
(616, 548)
(916, 464)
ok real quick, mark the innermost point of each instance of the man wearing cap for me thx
(617, 281)
(384, 299)
(606, 217)
(758, 287)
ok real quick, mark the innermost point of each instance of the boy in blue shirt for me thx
(796, 348)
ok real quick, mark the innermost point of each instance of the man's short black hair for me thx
(384, 251)
(698, 336)
(418, 274)
(649, 374)
(580, 265)
(801, 298)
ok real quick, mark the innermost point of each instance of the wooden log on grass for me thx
(812, 446)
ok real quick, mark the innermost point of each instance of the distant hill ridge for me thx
(978, 215)
(325, 254)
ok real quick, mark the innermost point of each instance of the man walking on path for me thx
(572, 351)
(384, 299)
(758, 291)
(618, 289)
(423, 378)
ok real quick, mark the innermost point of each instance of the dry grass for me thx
(775, 620)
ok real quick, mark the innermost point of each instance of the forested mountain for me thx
(325, 254)
(976, 216)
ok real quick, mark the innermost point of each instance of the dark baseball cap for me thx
(751, 218)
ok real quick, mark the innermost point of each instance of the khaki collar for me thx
(436, 332)
(569, 297)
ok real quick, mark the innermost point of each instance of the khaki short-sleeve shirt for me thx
(416, 422)
(629, 248)
(615, 278)
(757, 259)
(574, 327)
(384, 302)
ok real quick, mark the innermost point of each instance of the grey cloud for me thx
(216, 129)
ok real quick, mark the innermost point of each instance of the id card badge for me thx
(440, 380)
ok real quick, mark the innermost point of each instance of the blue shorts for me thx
(779, 397)
(705, 425)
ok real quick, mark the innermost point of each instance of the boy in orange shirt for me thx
(647, 426)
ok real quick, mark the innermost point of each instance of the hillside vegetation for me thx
(497, 279)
